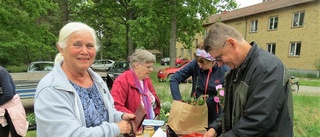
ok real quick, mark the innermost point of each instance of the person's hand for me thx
(127, 116)
(210, 133)
(139, 132)
(125, 127)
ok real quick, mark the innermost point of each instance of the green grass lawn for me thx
(306, 116)
(309, 82)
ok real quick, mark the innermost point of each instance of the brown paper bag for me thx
(185, 118)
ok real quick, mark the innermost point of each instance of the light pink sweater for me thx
(17, 115)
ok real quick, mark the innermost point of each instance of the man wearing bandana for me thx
(206, 75)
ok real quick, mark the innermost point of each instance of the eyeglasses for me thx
(218, 58)
(148, 67)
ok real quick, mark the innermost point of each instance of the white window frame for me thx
(205, 33)
(271, 48)
(189, 52)
(197, 42)
(295, 49)
(273, 23)
(298, 19)
(254, 26)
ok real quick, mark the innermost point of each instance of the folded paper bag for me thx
(185, 118)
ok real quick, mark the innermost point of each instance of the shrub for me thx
(31, 119)
(14, 69)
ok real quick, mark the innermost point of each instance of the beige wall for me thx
(308, 35)
(198, 37)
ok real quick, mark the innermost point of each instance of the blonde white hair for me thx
(141, 56)
(73, 27)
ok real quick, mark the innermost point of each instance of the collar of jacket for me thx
(250, 56)
(60, 78)
(130, 79)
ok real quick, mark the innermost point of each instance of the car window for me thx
(41, 66)
(98, 62)
(120, 65)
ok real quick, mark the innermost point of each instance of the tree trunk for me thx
(64, 6)
(173, 38)
(129, 41)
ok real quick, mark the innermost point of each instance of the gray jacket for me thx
(258, 98)
(59, 112)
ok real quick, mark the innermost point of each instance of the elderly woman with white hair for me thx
(134, 87)
(72, 100)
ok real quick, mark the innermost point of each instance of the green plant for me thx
(165, 111)
(31, 119)
(220, 95)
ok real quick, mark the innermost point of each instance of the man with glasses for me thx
(206, 75)
(258, 101)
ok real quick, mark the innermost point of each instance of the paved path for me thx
(309, 90)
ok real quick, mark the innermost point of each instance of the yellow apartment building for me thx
(290, 29)
(181, 52)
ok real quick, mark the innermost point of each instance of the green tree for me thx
(117, 15)
(187, 17)
(25, 31)
(110, 29)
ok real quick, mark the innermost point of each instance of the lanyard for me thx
(207, 81)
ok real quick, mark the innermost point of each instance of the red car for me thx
(180, 61)
(166, 73)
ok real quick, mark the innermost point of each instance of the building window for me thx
(254, 26)
(205, 34)
(182, 52)
(197, 42)
(272, 48)
(295, 48)
(189, 52)
(298, 19)
(273, 23)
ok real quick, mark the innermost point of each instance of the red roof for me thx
(268, 5)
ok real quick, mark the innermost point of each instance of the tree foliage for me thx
(25, 31)
(29, 29)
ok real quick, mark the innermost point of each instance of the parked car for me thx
(118, 68)
(40, 66)
(166, 73)
(181, 61)
(165, 61)
(104, 64)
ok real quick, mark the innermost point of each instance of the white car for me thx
(41, 66)
(103, 64)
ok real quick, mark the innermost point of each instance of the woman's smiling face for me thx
(80, 51)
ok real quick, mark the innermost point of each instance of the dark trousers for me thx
(4, 131)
